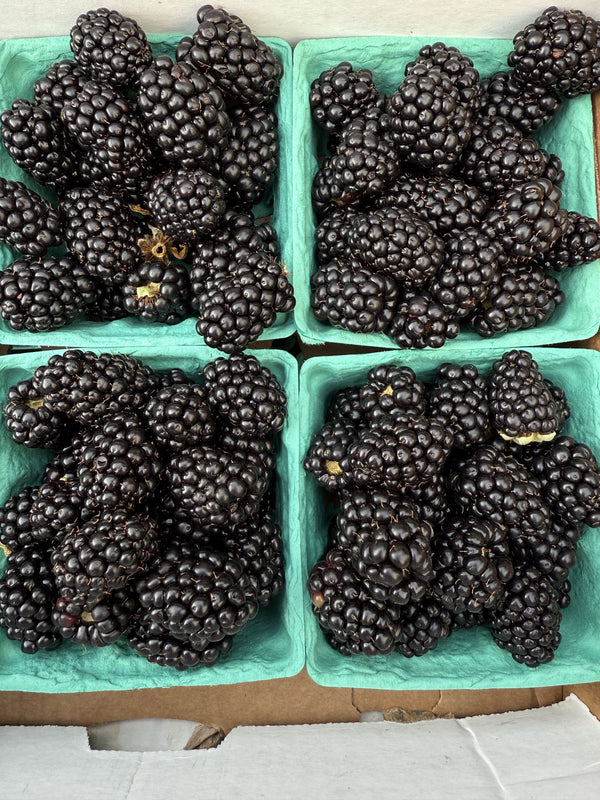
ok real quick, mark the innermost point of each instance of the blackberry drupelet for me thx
(525, 105)
(43, 294)
(158, 292)
(109, 46)
(61, 82)
(348, 296)
(521, 405)
(422, 321)
(98, 623)
(579, 244)
(391, 388)
(179, 416)
(245, 394)
(459, 400)
(340, 94)
(30, 420)
(27, 221)
(326, 458)
(423, 623)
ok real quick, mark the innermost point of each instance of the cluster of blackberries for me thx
(460, 502)
(435, 205)
(155, 516)
(155, 164)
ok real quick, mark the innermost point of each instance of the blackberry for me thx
(472, 564)
(353, 621)
(353, 298)
(248, 164)
(219, 488)
(397, 243)
(100, 233)
(326, 457)
(345, 405)
(119, 463)
(187, 205)
(98, 623)
(431, 499)
(29, 419)
(43, 294)
(555, 554)
(448, 204)
(397, 452)
(60, 84)
(459, 400)
(26, 598)
(15, 520)
(579, 244)
(458, 66)
(179, 416)
(37, 142)
(109, 46)
(224, 48)
(55, 509)
(527, 623)
(183, 112)
(103, 554)
(424, 623)
(158, 292)
(341, 93)
(421, 321)
(520, 296)
(157, 646)
(332, 236)
(256, 451)
(245, 394)
(471, 260)
(525, 105)
(390, 388)
(558, 49)
(237, 237)
(522, 407)
(428, 121)
(365, 509)
(27, 221)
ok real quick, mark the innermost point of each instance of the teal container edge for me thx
(270, 646)
(22, 61)
(570, 135)
(468, 659)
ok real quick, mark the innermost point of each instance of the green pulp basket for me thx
(22, 61)
(469, 658)
(569, 135)
(270, 646)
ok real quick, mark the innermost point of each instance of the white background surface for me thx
(298, 19)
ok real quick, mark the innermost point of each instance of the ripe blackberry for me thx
(326, 457)
(332, 236)
(256, 451)
(421, 321)
(37, 142)
(224, 48)
(97, 623)
(448, 204)
(389, 389)
(397, 243)
(100, 233)
(153, 643)
(471, 260)
(55, 509)
(459, 400)
(522, 407)
(352, 297)
(15, 520)
(245, 394)
(397, 452)
(579, 244)
(43, 294)
(570, 479)
(458, 66)
(29, 419)
(424, 623)
(353, 621)
(340, 94)
(187, 205)
(179, 416)
(198, 600)
(362, 510)
(61, 82)
(183, 112)
(520, 296)
(428, 121)
(472, 564)
(528, 621)
(555, 554)
(119, 464)
(157, 292)
(26, 598)
(237, 237)
(345, 405)
(219, 488)
(525, 105)
(27, 221)
(103, 554)
(558, 49)
(248, 164)
(431, 499)
(109, 46)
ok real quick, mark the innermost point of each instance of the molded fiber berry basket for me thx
(569, 135)
(270, 646)
(468, 658)
(22, 61)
